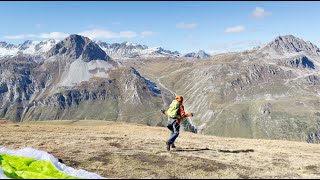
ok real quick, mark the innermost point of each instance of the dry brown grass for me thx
(119, 150)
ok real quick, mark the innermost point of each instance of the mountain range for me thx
(124, 50)
(267, 92)
(77, 80)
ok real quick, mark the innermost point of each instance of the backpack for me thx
(173, 109)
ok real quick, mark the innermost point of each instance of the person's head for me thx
(179, 99)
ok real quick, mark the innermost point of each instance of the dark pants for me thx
(174, 128)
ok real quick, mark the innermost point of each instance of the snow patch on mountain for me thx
(80, 71)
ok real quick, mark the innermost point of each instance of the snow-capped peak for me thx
(126, 50)
(28, 47)
(199, 55)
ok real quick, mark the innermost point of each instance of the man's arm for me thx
(184, 114)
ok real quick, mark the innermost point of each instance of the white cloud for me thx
(127, 34)
(106, 34)
(183, 25)
(235, 29)
(91, 33)
(260, 13)
(38, 26)
(52, 35)
(116, 23)
(20, 36)
(94, 26)
(148, 33)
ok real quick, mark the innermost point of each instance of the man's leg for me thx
(167, 143)
(172, 145)
(175, 134)
(170, 127)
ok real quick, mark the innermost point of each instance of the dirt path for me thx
(118, 150)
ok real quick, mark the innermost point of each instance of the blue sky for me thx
(182, 26)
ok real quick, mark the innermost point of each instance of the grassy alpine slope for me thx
(242, 95)
(122, 150)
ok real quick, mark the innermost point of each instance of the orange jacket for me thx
(182, 113)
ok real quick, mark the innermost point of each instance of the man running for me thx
(175, 113)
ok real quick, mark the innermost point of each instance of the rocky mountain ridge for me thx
(269, 92)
